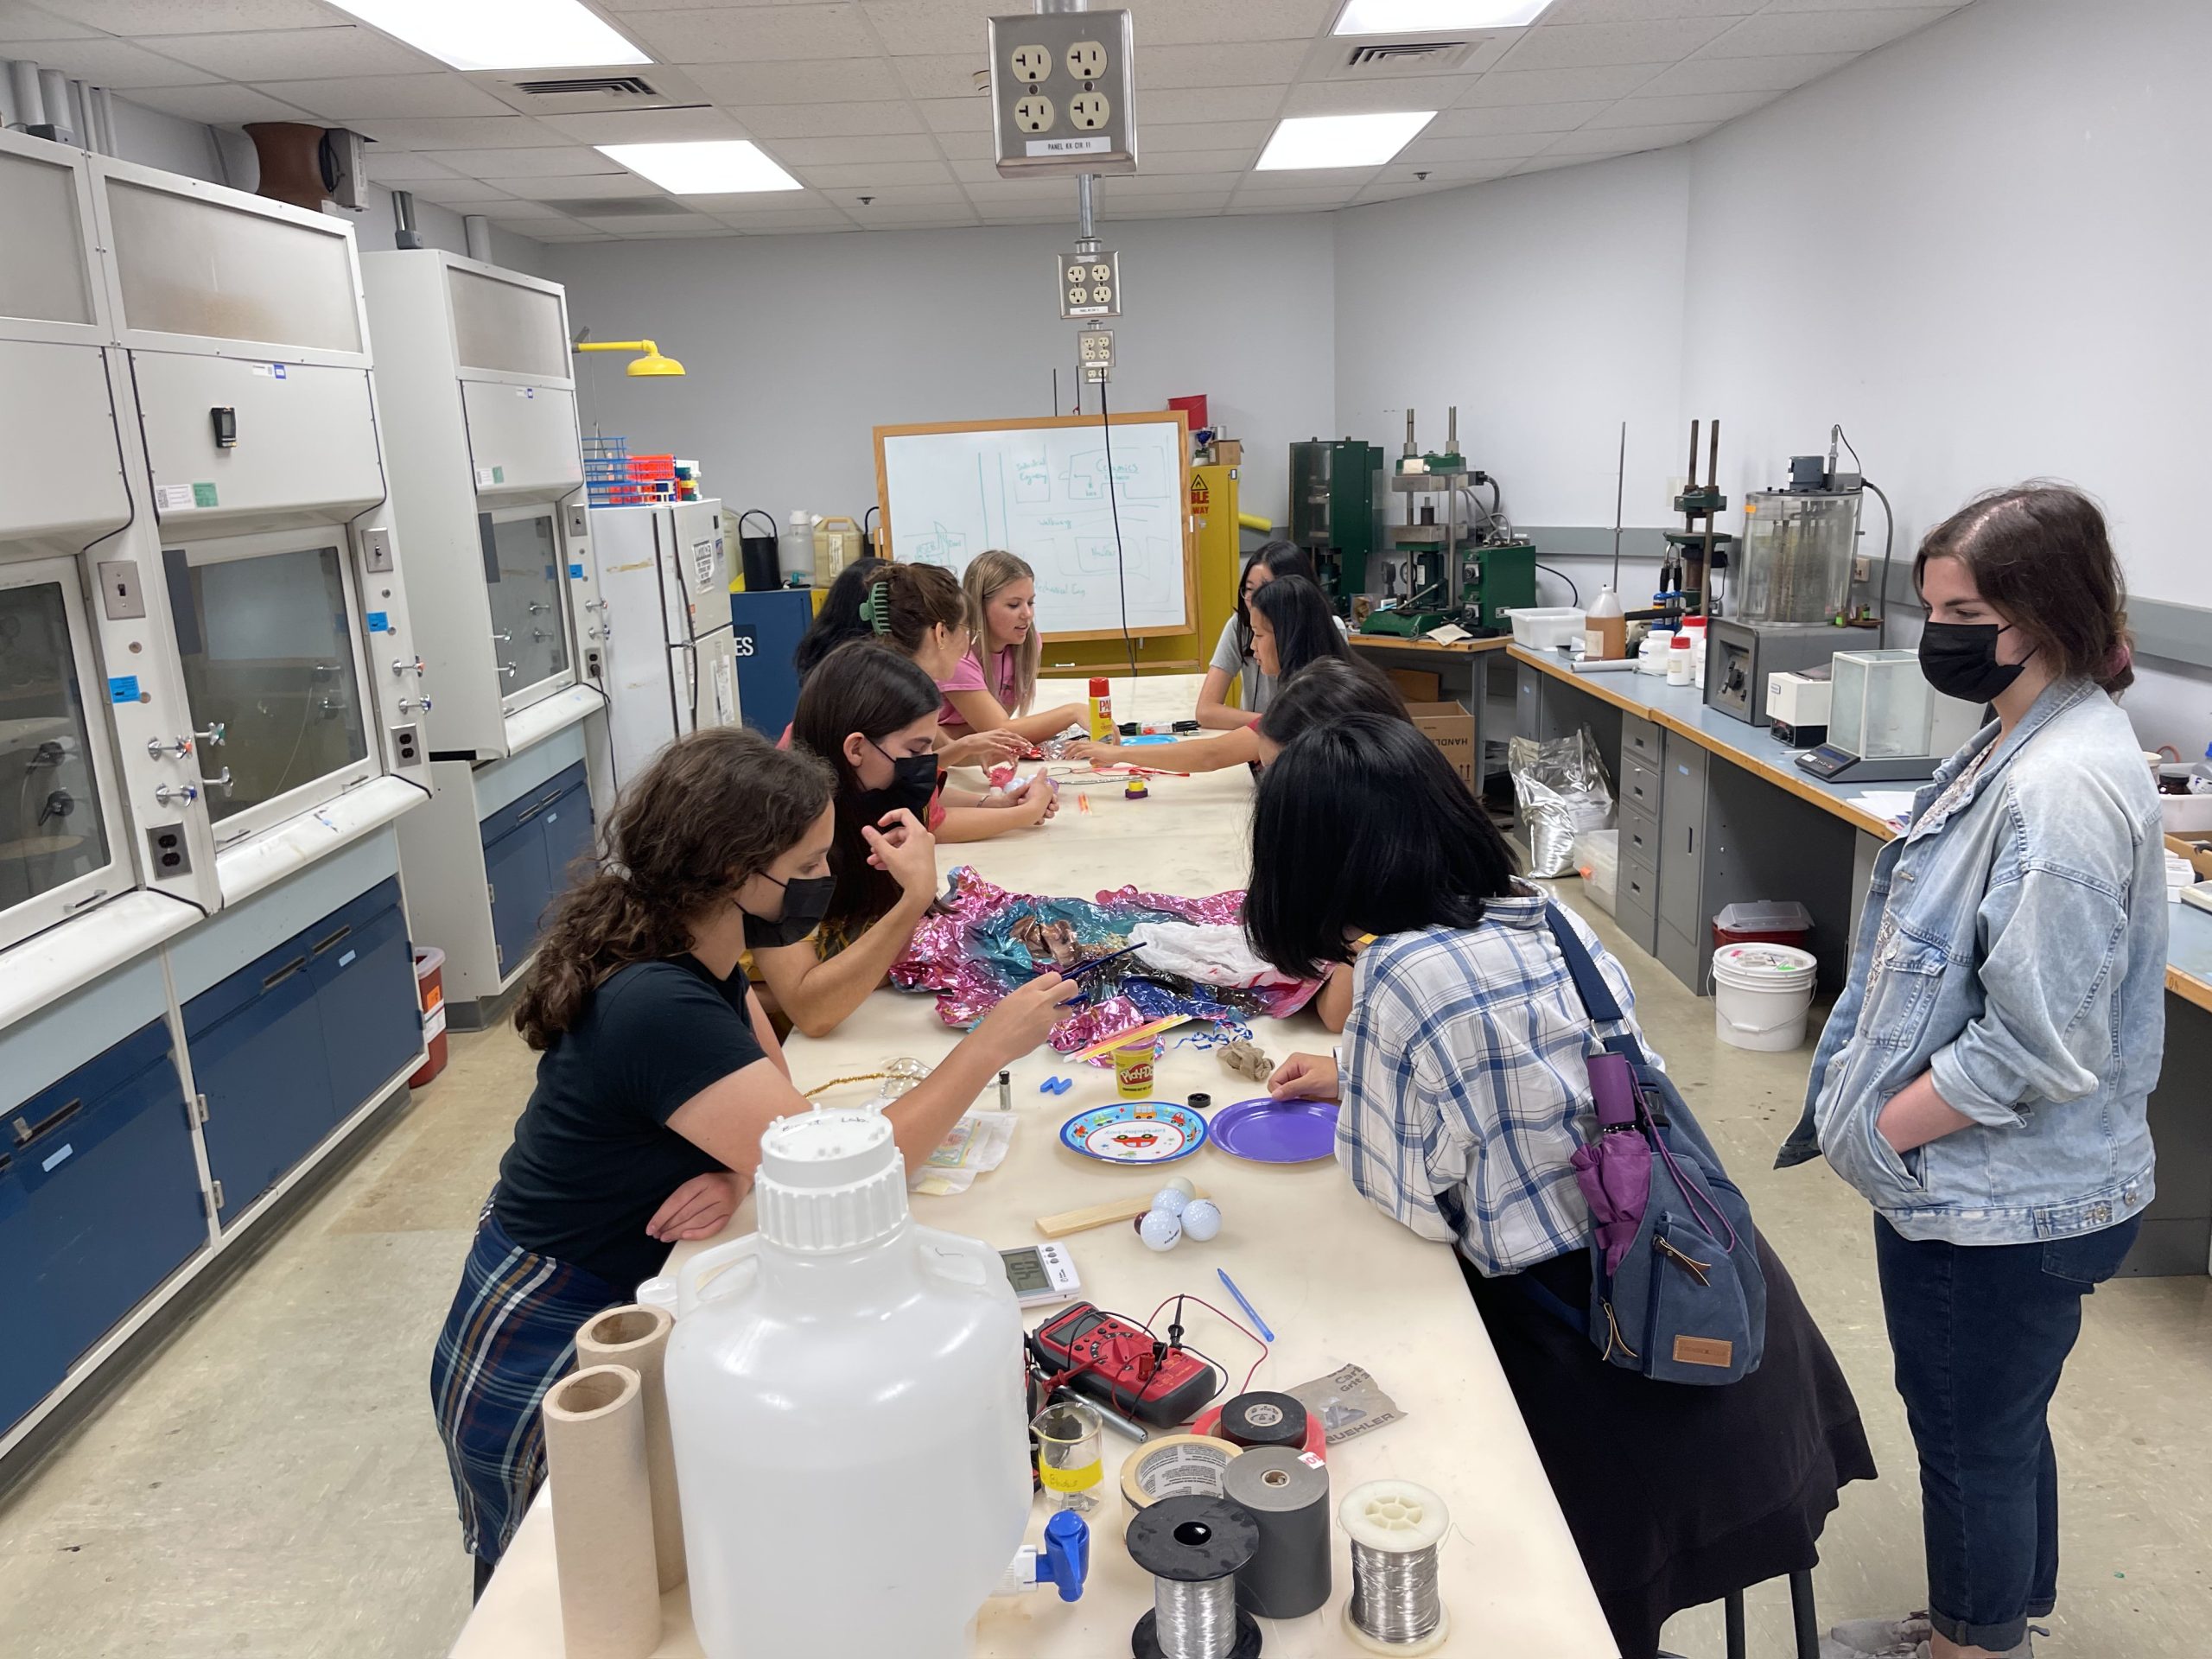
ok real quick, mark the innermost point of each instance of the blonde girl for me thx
(996, 683)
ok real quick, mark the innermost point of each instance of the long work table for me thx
(1338, 1282)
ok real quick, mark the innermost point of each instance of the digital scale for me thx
(1833, 766)
(1042, 1273)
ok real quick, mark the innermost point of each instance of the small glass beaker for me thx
(1071, 1463)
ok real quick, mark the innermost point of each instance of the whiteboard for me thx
(1039, 489)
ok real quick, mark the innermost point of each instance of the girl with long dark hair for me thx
(1464, 1090)
(839, 619)
(1234, 661)
(1983, 1080)
(658, 1073)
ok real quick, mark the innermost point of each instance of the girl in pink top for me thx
(1001, 595)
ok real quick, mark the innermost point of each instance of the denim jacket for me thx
(2014, 944)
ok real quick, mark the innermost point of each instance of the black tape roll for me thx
(1264, 1418)
(1289, 1575)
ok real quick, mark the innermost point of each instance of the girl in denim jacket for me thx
(1982, 1080)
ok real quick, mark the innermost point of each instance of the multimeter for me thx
(1041, 1275)
(1124, 1367)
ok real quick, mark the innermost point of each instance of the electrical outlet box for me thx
(406, 746)
(1089, 284)
(168, 851)
(1095, 352)
(1062, 93)
(120, 596)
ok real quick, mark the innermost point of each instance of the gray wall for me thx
(798, 346)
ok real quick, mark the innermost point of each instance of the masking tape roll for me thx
(1175, 1465)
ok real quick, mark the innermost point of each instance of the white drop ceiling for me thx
(871, 103)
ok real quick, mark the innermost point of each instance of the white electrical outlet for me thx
(1032, 63)
(1090, 283)
(1034, 113)
(1089, 128)
(1088, 111)
(1087, 60)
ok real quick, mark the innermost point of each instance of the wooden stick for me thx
(1099, 1215)
(1133, 1034)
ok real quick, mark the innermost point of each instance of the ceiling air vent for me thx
(1409, 57)
(589, 87)
(619, 206)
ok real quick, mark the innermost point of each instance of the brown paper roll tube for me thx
(602, 1514)
(636, 1336)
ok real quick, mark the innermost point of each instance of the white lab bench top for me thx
(1337, 1282)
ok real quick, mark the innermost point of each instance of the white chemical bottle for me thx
(796, 549)
(845, 1393)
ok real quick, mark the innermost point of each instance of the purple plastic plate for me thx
(1266, 1131)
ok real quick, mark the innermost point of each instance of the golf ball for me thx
(1170, 1199)
(1201, 1219)
(1160, 1230)
(1181, 1184)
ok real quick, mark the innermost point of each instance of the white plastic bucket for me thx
(1761, 994)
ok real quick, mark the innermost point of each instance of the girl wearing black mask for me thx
(658, 1072)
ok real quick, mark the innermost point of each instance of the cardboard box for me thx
(2197, 849)
(1229, 452)
(1417, 684)
(1451, 728)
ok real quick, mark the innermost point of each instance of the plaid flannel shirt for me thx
(1464, 1084)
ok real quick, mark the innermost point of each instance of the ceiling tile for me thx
(1638, 11)
(804, 81)
(1557, 86)
(800, 213)
(1170, 22)
(116, 64)
(915, 218)
(371, 98)
(20, 23)
(826, 120)
(463, 132)
(1237, 156)
(914, 28)
(1358, 97)
(881, 147)
(1206, 104)
(1174, 184)
(1467, 172)
(897, 195)
(656, 224)
(217, 107)
(1514, 118)
(548, 162)
(749, 34)
(859, 174)
(779, 228)
(501, 208)
(972, 146)
(1774, 33)
(133, 18)
(1619, 141)
(1251, 63)
(1709, 75)
(1002, 192)
(538, 227)
(1203, 135)
(957, 114)
(341, 51)
(942, 75)
(403, 166)
(969, 171)
(1641, 111)
(471, 191)
(571, 231)
(644, 126)
(1497, 146)
(1586, 45)
(1546, 163)
(1167, 210)
(1317, 195)
(1865, 5)
(550, 188)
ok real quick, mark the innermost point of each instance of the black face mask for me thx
(807, 901)
(1959, 660)
(913, 784)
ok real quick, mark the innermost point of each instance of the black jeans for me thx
(1981, 1333)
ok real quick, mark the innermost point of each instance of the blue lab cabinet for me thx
(301, 1037)
(766, 629)
(99, 1202)
(531, 847)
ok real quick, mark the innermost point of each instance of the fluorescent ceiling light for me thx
(1303, 141)
(499, 33)
(709, 167)
(1429, 16)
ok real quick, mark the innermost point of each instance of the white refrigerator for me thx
(672, 666)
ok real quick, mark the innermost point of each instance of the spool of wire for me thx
(1194, 1547)
(1287, 1492)
(1264, 1418)
(1395, 1528)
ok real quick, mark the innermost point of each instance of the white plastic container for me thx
(1680, 663)
(844, 1389)
(1597, 856)
(1761, 996)
(2186, 814)
(1538, 629)
(796, 549)
(1652, 659)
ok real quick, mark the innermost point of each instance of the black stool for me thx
(1801, 1610)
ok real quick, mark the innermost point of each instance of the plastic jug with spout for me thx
(845, 1393)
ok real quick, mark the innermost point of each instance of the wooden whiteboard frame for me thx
(1046, 423)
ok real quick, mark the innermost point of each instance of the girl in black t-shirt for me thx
(658, 1074)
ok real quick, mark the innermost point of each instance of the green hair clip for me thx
(874, 611)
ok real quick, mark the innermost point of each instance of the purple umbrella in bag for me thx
(1614, 1171)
